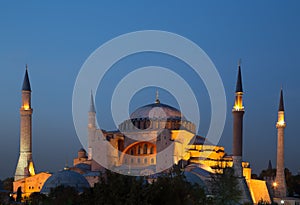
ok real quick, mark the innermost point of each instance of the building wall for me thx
(31, 184)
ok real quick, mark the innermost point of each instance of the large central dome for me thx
(156, 116)
(156, 111)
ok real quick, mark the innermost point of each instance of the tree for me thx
(172, 188)
(225, 187)
(63, 195)
(169, 188)
(19, 195)
(117, 189)
(37, 198)
(8, 184)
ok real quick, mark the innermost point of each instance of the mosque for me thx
(134, 149)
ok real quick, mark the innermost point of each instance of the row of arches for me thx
(141, 148)
(146, 123)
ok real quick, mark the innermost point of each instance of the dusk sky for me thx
(56, 37)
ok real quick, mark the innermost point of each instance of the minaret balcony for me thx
(280, 124)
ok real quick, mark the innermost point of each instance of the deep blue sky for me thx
(55, 38)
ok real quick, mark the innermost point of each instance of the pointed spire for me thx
(157, 98)
(281, 104)
(92, 105)
(239, 86)
(270, 165)
(26, 83)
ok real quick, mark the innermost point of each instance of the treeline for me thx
(168, 188)
(116, 189)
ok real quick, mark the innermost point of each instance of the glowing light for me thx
(275, 184)
(238, 107)
(31, 169)
(26, 107)
(238, 104)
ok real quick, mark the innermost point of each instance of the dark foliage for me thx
(115, 189)
(225, 188)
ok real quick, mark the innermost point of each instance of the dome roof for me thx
(82, 150)
(65, 178)
(156, 110)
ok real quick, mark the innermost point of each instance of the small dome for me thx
(82, 153)
(65, 178)
(156, 110)
(82, 150)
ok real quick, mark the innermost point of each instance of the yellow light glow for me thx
(238, 107)
(281, 117)
(238, 104)
(31, 169)
(26, 107)
(275, 184)
(280, 122)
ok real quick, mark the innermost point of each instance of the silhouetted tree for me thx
(37, 198)
(225, 188)
(8, 184)
(63, 196)
(172, 188)
(19, 195)
(168, 188)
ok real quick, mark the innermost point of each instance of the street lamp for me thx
(282, 202)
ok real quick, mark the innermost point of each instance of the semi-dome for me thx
(156, 110)
(65, 178)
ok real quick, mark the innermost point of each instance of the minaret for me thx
(238, 113)
(280, 190)
(25, 166)
(91, 126)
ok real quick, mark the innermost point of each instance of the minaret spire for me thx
(237, 148)
(270, 165)
(91, 126)
(26, 82)
(238, 113)
(239, 86)
(25, 165)
(92, 105)
(157, 97)
(281, 104)
(281, 189)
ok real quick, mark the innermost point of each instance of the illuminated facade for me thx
(31, 184)
(149, 130)
(161, 127)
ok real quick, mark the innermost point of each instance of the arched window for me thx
(145, 149)
(139, 149)
(139, 160)
(152, 161)
(132, 151)
(152, 150)
(145, 161)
